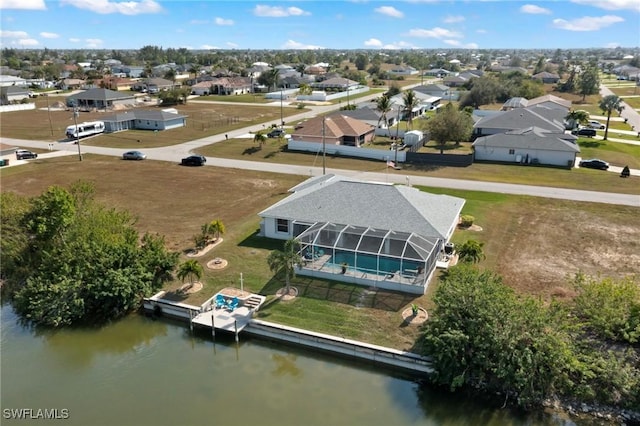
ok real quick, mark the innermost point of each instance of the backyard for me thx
(534, 243)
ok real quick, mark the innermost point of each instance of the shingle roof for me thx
(530, 138)
(142, 114)
(335, 126)
(520, 118)
(383, 206)
(101, 94)
(550, 98)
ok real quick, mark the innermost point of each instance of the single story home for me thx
(403, 70)
(70, 84)
(154, 85)
(365, 233)
(336, 83)
(152, 119)
(515, 119)
(100, 99)
(528, 146)
(437, 72)
(202, 89)
(338, 129)
(439, 90)
(546, 77)
(370, 115)
(550, 101)
(230, 85)
(13, 94)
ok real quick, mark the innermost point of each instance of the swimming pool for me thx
(369, 263)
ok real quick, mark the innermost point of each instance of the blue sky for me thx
(306, 24)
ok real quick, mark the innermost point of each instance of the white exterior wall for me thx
(351, 151)
(553, 158)
(269, 228)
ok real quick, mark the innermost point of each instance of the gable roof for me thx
(100, 94)
(346, 201)
(530, 138)
(429, 88)
(142, 114)
(363, 114)
(335, 126)
(550, 98)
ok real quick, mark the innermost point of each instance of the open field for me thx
(274, 151)
(202, 120)
(534, 243)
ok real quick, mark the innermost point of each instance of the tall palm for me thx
(195, 70)
(608, 104)
(260, 139)
(576, 117)
(300, 68)
(170, 75)
(383, 106)
(217, 228)
(286, 260)
(190, 270)
(305, 89)
(273, 75)
(410, 102)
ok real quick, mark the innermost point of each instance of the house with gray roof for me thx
(439, 90)
(100, 99)
(365, 233)
(515, 119)
(528, 146)
(149, 119)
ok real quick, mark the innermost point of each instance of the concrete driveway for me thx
(613, 169)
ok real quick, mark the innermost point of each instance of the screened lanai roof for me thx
(405, 245)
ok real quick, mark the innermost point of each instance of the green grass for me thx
(257, 98)
(616, 153)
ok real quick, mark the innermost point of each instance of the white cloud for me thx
(93, 42)
(49, 35)
(105, 7)
(208, 47)
(291, 44)
(481, 31)
(25, 42)
(587, 23)
(471, 45)
(389, 11)
(373, 42)
(399, 45)
(13, 34)
(278, 11)
(436, 32)
(232, 45)
(612, 45)
(222, 21)
(198, 22)
(452, 19)
(452, 42)
(74, 40)
(611, 4)
(534, 10)
(23, 4)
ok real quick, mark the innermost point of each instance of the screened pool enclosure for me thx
(387, 259)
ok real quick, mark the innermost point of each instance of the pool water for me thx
(369, 263)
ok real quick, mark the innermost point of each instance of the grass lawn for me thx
(532, 242)
(202, 120)
(257, 98)
(612, 152)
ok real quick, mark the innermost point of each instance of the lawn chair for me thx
(220, 301)
(233, 304)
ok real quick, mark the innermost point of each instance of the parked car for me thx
(276, 133)
(594, 163)
(23, 154)
(194, 160)
(584, 131)
(596, 125)
(133, 155)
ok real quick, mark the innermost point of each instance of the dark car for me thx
(594, 163)
(23, 154)
(276, 133)
(133, 155)
(194, 160)
(585, 131)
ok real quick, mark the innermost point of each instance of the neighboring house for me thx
(387, 236)
(336, 83)
(513, 103)
(13, 94)
(528, 146)
(144, 120)
(315, 70)
(455, 81)
(403, 70)
(153, 85)
(71, 84)
(437, 72)
(515, 119)
(550, 101)
(397, 102)
(293, 81)
(338, 129)
(100, 99)
(546, 77)
(117, 83)
(230, 85)
(507, 69)
(10, 80)
(438, 90)
(202, 89)
(370, 115)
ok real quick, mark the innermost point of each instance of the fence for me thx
(17, 107)
(454, 160)
(348, 151)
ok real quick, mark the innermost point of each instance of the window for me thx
(282, 225)
(512, 151)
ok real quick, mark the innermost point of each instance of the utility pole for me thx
(49, 113)
(281, 116)
(323, 146)
(75, 122)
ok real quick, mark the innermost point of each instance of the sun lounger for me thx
(233, 304)
(220, 301)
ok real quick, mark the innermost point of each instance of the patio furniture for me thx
(233, 304)
(220, 301)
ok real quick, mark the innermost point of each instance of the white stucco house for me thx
(365, 233)
(528, 146)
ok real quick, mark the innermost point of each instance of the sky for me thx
(308, 24)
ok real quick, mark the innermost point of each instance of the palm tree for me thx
(471, 251)
(287, 260)
(272, 76)
(576, 117)
(170, 75)
(305, 89)
(260, 139)
(383, 106)
(300, 68)
(195, 70)
(190, 270)
(608, 104)
(410, 102)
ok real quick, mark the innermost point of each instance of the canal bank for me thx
(240, 319)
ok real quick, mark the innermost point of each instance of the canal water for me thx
(141, 371)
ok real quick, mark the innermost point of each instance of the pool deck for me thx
(225, 320)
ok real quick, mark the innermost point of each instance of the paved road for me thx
(629, 113)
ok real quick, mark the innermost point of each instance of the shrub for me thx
(466, 220)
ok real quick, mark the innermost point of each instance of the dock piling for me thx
(235, 326)
(213, 326)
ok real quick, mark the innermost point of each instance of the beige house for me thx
(337, 130)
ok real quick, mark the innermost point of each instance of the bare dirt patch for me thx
(217, 264)
(190, 288)
(417, 319)
(282, 293)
